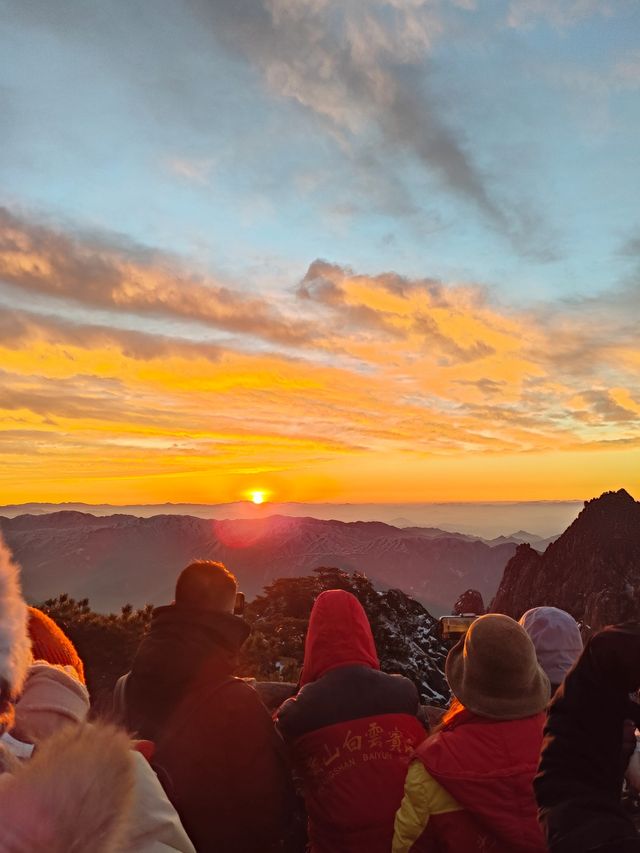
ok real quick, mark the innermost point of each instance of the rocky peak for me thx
(592, 570)
(469, 602)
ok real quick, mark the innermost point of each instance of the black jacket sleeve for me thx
(579, 779)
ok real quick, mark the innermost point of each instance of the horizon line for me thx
(296, 503)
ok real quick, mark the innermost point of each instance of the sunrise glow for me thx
(375, 297)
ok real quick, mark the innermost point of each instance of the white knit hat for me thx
(15, 645)
(557, 640)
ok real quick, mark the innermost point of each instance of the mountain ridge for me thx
(592, 570)
(120, 558)
(481, 519)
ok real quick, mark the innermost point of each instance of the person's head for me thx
(49, 643)
(557, 640)
(207, 585)
(53, 696)
(494, 672)
(339, 634)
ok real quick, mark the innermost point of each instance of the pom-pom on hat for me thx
(50, 643)
(494, 672)
(15, 646)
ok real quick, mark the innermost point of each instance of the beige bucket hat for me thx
(494, 672)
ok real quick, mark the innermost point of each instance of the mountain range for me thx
(592, 569)
(123, 558)
(486, 520)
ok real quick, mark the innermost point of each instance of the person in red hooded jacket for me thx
(350, 730)
(469, 786)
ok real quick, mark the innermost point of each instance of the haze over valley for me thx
(483, 519)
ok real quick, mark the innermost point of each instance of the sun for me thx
(257, 496)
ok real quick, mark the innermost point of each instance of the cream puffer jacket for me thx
(85, 790)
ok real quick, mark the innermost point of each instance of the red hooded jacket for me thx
(351, 730)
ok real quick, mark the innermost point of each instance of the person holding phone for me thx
(222, 764)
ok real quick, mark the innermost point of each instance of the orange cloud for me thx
(356, 387)
(101, 274)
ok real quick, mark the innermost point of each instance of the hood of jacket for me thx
(339, 634)
(488, 767)
(557, 640)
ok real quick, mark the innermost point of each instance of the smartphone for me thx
(239, 605)
(455, 627)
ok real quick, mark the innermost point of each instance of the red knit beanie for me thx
(50, 643)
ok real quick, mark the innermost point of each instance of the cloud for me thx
(110, 349)
(416, 315)
(363, 71)
(362, 80)
(606, 408)
(196, 171)
(427, 327)
(485, 385)
(631, 248)
(626, 72)
(70, 398)
(19, 329)
(104, 273)
(335, 310)
(595, 91)
(523, 14)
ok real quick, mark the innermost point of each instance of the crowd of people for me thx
(532, 754)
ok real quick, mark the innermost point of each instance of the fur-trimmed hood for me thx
(74, 796)
(15, 645)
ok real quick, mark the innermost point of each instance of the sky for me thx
(334, 250)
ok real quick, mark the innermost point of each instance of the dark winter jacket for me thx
(469, 788)
(580, 775)
(181, 645)
(222, 764)
(350, 731)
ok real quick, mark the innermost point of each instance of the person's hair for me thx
(456, 707)
(208, 585)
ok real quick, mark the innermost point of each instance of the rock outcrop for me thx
(469, 602)
(407, 636)
(592, 571)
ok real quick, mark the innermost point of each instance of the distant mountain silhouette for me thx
(592, 570)
(478, 520)
(521, 537)
(122, 558)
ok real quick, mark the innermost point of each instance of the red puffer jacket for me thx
(470, 788)
(350, 730)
